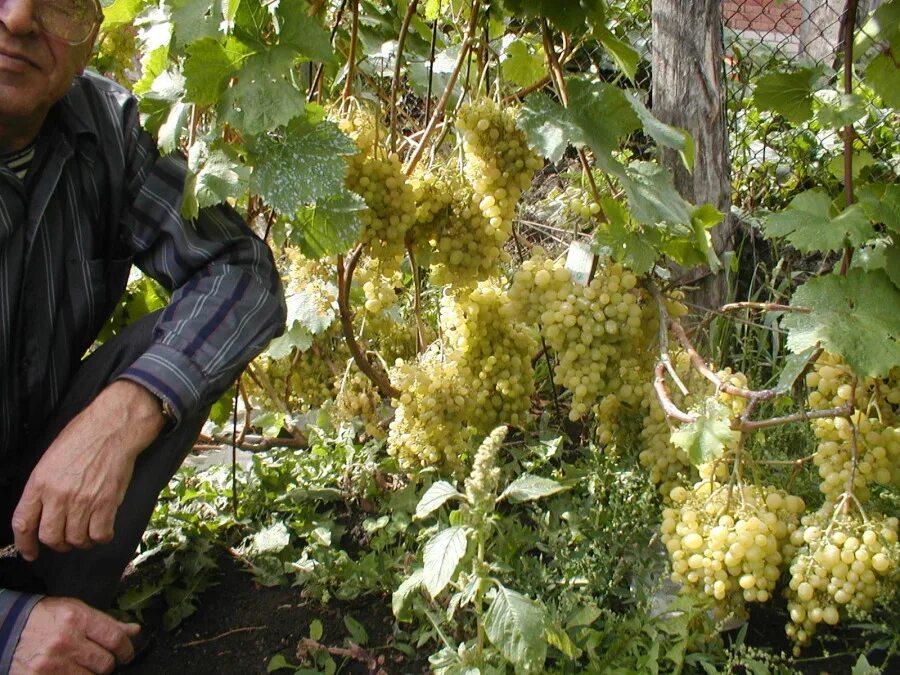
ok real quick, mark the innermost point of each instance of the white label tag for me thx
(580, 262)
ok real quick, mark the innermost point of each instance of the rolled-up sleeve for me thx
(227, 299)
(15, 609)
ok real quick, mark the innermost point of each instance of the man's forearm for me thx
(15, 609)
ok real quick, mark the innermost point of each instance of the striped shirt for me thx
(97, 198)
(18, 162)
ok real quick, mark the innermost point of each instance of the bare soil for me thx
(239, 626)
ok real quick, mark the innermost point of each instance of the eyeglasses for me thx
(72, 21)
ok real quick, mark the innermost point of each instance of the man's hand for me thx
(71, 497)
(64, 636)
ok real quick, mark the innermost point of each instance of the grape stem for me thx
(395, 82)
(664, 336)
(558, 78)
(250, 442)
(314, 86)
(345, 278)
(744, 423)
(351, 57)
(854, 445)
(439, 107)
(763, 307)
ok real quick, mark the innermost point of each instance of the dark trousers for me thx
(93, 574)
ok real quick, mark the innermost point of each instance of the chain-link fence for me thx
(773, 158)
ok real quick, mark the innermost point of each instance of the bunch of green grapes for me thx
(843, 563)
(873, 427)
(314, 278)
(433, 194)
(390, 210)
(431, 418)
(668, 463)
(393, 336)
(118, 56)
(357, 399)
(493, 350)
(464, 245)
(590, 328)
(878, 453)
(728, 542)
(380, 281)
(632, 392)
(498, 161)
(300, 381)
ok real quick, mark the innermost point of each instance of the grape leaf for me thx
(567, 15)
(121, 13)
(194, 20)
(623, 54)
(788, 93)
(882, 27)
(547, 126)
(153, 63)
(808, 226)
(882, 255)
(632, 248)
(296, 337)
(304, 32)
(207, 68)
(883, 75)
(847, 109)
(705, 438)
(881, 202)
(652, 196)
(857, 316)
(263, 97)
(598, 116)
(300, 165)
(329, 227)
(219, 178)
(523, 65)
(515, 625)
(664, 134)
(442, 554)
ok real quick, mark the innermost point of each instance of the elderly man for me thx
(86, 444)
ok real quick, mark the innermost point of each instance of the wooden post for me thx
(687, 92)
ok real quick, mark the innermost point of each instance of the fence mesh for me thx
(773, 158)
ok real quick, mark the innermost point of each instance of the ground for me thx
(239, 626)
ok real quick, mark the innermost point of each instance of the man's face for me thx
(36, 68)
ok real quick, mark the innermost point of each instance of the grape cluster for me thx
(843, 563)
(390, 207)
(498, 161)
(380, 281)
(728, 542)
(464, 245)
(668, 464)
(493, 350)
(477, 377)
(431, 417)
(873, 428)
(358, 399)
(300, 381)
(592, 329)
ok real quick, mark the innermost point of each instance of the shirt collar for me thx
(72, 114)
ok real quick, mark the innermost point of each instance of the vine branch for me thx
(395, 83)
(441, 105)
(345, 277)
